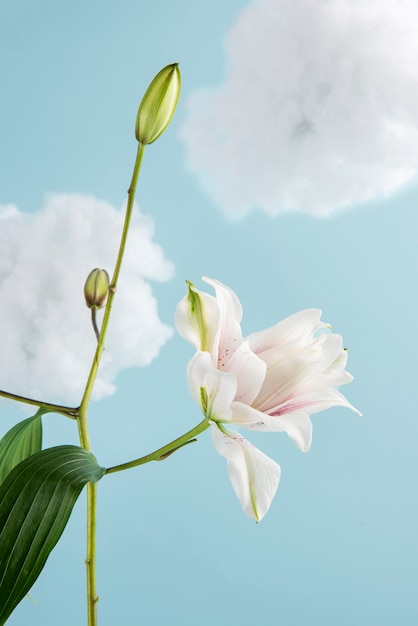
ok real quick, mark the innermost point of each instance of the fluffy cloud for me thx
(318, 110)
(46, 337)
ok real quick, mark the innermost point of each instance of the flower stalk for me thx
(92, 597)
(82, 421)
(112, 290)
(165, 451)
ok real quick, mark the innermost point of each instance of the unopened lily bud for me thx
(96, 289)
(158, 104)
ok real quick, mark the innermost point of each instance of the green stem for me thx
(162, 453)
(92, 597)
(112, 290)
(51, 408)
(82, 421)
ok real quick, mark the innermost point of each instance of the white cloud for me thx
(46, 337)
(318, 110)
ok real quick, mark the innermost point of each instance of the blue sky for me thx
(338, 545)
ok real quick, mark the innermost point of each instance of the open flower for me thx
(272, 380)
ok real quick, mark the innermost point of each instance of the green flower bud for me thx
(158, 104)
(96, 289)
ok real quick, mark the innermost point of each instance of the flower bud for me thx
(96, 289)
(158, 104)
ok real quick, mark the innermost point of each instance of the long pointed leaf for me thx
(24, 439)
(36, 500)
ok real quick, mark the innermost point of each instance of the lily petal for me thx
(297, 425)
(229, 336)
(250, 372)
(314, 402)
(254, 476)
(291, 373)
(296, 329)
(221, 388)
(212, 389)
(198, 365)
(291, 417)
(197, 319)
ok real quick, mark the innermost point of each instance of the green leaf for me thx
(36, 500)
(20, 442)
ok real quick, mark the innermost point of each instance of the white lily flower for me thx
(272, 380)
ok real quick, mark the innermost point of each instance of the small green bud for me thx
(158, 104)
(96, 289)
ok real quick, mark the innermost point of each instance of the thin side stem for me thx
(51, 408)
(165, 451)
(94, 323)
